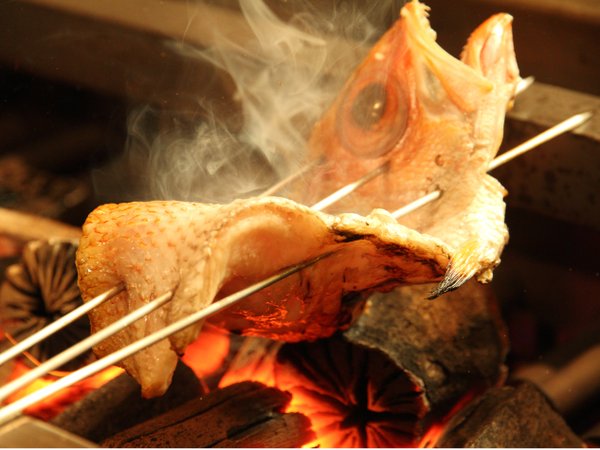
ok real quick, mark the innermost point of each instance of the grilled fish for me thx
(438, 122)
(203, 252)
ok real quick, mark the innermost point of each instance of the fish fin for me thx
(464, 264)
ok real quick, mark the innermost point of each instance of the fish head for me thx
(405, 77)
(413, 105)
(435, 122)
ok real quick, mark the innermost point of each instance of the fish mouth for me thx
(464, 84)
(490, 50)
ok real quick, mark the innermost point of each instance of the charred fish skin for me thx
(204, 252)
(438, 122)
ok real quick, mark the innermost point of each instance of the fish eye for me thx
(369, 105)
(372, 117)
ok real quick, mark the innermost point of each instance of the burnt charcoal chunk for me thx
(246, 414)
(118, 405)
(452, 345)
(509, 417)
(355, 397)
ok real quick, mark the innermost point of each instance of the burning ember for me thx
(207, 354)
(354, 398)
(55, 404)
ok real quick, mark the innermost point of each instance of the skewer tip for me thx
(581, 118)
(524, 84)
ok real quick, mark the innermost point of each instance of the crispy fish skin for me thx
(438, 122)
(204, 252)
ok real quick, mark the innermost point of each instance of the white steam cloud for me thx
(285, 76)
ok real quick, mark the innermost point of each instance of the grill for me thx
(65, 120)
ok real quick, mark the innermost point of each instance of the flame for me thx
(263, 374)
(208, 352)
(55, 404)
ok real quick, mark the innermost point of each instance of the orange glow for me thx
(55, 404)
(345, 411)
(32, 358)
(262, 374)
(207, 353)
(432, 435)
(325, 421)
(435, 432)
(261, 371)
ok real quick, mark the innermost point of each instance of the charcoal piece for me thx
(118, 405)
(39, 289)
(451, 345)
(280, 431)
(509, 416)
(246, 414)
(355, 397)
(405, 361)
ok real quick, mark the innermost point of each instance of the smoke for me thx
(285, 75)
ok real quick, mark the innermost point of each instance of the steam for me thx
(285, 76)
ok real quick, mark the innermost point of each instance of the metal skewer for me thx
(277, 186)
(82, 346)
(524, 84)
(566, 125)
(12, 410)
(412, 206)
(349, 188)
(58, 324)
(560, 128)
(324, 203)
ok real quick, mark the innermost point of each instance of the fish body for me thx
(434, 119)
(204, 252)
(437, 122)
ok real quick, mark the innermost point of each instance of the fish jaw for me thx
(490, 51)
